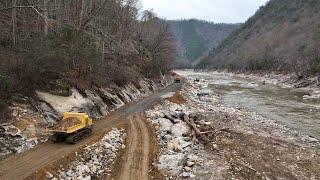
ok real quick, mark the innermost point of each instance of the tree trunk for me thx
(14, 19)
(102, 58)
(81, 13)
(45, 13)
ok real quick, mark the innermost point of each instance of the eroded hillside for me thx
(55, 46)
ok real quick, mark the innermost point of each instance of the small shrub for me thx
(316, 33)
(5, 83)
(5, 112)
(315, 66)
(3, 105)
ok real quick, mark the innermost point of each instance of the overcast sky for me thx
(228, 11)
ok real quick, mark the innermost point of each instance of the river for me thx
(285, 106)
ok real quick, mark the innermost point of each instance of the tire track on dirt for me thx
(135, 161)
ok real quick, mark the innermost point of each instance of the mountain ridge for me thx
(195, 38)
(282, 36)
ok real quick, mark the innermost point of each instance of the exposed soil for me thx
(250, 156)
(177, 98)
(135, 161)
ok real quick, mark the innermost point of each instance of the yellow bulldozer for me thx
(72, 128)
(177, 79)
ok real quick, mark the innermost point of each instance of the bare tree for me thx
(14, 17)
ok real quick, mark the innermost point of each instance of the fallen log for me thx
(198, 133)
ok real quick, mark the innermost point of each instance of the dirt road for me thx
(135, 161)
(23, 165)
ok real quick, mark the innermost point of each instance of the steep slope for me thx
(78, 44)
(195, 38)
(283, 35)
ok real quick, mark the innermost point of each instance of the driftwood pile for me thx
(200, 129)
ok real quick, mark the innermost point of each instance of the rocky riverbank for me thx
(231, 143)
(310, 86)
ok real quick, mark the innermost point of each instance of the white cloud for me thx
(232, 11)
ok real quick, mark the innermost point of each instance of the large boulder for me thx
(205, 92)
(175, 108)
(164, 124)
(180, 129)
(174, 145)
(171, 164)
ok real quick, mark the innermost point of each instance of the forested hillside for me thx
(284, 35)
(195, 38)
(58, 44)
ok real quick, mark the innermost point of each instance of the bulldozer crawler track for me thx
(74, 138)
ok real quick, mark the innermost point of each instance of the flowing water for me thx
(285, 106)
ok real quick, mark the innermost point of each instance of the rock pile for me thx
(96, 160)
(13, 141)
(177, 156)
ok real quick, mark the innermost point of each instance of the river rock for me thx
(204, 92)
(175, 107)
(184, 143)
(190, 163)
(188, 169)
(167, 137)
(165, 124)
(174, 145)
(180, 129)
(185, 174)
(49, 175)
(171, 164)
(192, 158)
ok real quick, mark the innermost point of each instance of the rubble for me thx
(12, 140)
(192, 130)
(164, 124)
(174, 137)
(96, 160)
(180, 129)
(171, 163)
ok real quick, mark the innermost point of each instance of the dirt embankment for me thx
(33, 115)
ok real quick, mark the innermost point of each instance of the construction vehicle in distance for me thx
(177, 79)
(72, 128)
